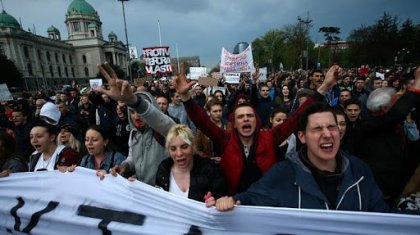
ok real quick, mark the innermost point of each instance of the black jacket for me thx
(377, 142)
(205, 176)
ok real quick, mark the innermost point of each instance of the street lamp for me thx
(306, 22)
(126, 41)
(402, 53)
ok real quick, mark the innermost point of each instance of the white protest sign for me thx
(196, 72)
(380, 75)
(232, 78)
(218, 88)
(242, 62)
(158, 60)
(5, 94)
(94, 83)
(51, 203)
(133, 53)
(263, 74)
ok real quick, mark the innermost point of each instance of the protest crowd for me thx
(333, 139)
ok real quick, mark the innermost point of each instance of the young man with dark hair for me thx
(247, 151)
(318, 177)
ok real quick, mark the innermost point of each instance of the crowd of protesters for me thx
(340, 139)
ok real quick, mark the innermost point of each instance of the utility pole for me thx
(307, 22)
(126, 41)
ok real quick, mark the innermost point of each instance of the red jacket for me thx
(228, 145)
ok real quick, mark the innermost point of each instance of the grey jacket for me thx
(145, 152)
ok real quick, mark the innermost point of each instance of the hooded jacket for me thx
(228, 145)
(146, 148)
(291, 184)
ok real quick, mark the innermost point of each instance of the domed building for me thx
(50, 62)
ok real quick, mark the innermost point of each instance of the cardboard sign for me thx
(196, 72)
(94, 83)
(232, 78)
(133, 53)
(158, 60)
(207, 81)
(5, 94)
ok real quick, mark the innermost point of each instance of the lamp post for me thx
(402, 53)
(126, 41)
(307, 22)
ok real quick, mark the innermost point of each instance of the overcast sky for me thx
(203, 27)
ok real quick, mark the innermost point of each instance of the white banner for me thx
(157, 59)
(232, 78)
(196, 72)
(5, 94)
(242, 62)
(51, 202)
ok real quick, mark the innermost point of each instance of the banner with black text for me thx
(79, 203)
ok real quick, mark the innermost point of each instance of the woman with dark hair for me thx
(10, 161)
(221, 97)
(100, 156)
(48, 155)
(277, 116)
(285, 99)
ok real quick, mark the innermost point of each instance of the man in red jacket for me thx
(247, 151)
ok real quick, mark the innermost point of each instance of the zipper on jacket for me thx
(351, 186)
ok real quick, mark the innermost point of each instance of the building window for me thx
(30, 69)
(26, 52)
(51, 71)
(56, 57)
(59, 71)
(84, 59)
(76, 26)
(48, 56)
(71, 59)
(66, 71)
(39, 55)
(86, 72)
(72, 72)
(64, 58)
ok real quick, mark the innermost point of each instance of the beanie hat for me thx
(305, 92)
(70, 128)
(50, 113)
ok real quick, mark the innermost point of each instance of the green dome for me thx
(52, 29)
(92, 26)
(7, 20)
(112, 34)
(82, 7)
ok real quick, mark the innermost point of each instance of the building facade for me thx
(50, 62)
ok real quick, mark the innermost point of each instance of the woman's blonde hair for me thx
(182, 131)
(73, 143)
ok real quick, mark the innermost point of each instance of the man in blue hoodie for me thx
(319, 176)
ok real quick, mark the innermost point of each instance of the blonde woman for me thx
(185, 173)
(68, 137)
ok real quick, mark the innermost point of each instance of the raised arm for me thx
(283, 131)
(197, 115)
(120, 90)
